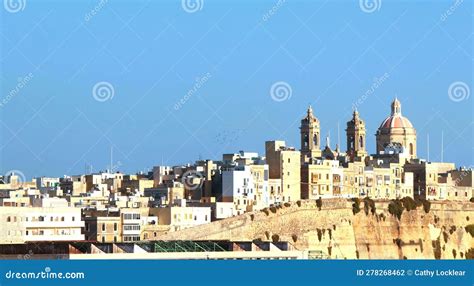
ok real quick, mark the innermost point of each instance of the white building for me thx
(238, 187)
(24, 224)
(223, 210)
(131, 224)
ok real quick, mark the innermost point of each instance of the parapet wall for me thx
(338, 233)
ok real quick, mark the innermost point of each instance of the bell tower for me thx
(310, 136)
(356, 138)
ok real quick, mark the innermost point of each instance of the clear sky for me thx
(193, 79)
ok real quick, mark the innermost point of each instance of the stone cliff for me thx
(333, 229)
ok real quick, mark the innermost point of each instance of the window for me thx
(9, 219)
(115, 226)
(103, 227)
(62, 218)
(131, 227)
(132, 216)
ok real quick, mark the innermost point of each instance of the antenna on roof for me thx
(442, 146)
(111, 158)
(428, 146)
(338, 135)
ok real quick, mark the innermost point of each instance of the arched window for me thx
(361, 142)
(315, 139)
(9, 219)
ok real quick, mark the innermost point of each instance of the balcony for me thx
(131, 232)
(53, 224)
(47, 237)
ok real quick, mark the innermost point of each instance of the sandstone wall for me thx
(339, 234)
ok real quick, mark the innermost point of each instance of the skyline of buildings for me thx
(117, 207)
(224, 130)
(395, 123)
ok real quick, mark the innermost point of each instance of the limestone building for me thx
(24, 224)
(284, 164)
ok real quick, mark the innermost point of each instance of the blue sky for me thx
(195, 83)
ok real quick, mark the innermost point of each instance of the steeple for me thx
(396, 107)
(310, 135)
(356, 137)
(310, 111)
(355, 115)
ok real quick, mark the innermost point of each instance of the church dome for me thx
(396, 130)
(395, 120)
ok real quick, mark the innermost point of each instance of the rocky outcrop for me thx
(333, 229)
